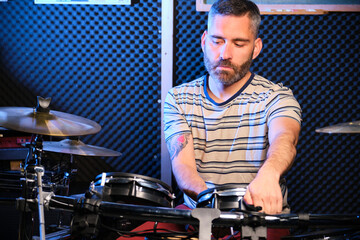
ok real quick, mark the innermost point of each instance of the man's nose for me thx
(226, 51)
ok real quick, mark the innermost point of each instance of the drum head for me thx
(133, 189)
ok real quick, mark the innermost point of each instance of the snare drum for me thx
(225, 197)
(131, 188)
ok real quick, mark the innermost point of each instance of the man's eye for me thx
(239, 45)
(216, 42)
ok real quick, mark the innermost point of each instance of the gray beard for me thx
(225, 77)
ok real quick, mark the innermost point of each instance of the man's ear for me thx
(203, 38)
(257, 48)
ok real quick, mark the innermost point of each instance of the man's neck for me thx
(220, 92)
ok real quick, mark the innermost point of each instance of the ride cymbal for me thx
(51, 123)
(349, 127)
(77, 147)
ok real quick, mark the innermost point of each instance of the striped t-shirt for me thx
(230, 138)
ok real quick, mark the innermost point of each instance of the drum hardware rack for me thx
(252, 224)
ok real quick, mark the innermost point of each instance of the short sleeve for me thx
(174, 117)
(282, 103)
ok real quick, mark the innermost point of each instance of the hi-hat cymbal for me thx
(51, 123)
(77, 147)
(349, 127)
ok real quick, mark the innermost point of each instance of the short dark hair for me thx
(237, 8)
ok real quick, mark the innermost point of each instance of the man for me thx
(232, 126)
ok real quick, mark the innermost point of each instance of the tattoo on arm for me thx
(177, 144)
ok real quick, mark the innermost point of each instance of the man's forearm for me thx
(181, 148)
(264, 190)
(188, 181)
(281, 154)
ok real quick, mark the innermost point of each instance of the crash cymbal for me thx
(77, 147)
(349, 127)
(51, 123)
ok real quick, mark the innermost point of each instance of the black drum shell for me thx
(134, 189)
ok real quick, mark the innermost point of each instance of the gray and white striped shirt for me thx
(230, 138)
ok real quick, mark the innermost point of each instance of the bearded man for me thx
(232, 126)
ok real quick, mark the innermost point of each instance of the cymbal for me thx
(77, 147)
(349, 127)
(51, 123)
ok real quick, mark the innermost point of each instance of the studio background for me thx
(104, 63)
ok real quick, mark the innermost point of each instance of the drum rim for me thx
(133, 175)
(221, 190)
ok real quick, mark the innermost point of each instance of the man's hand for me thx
(264, 191)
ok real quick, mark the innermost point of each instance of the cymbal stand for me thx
(33, 168)
(39, 173)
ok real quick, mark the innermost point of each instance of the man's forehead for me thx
(234, 26)
(229, 18)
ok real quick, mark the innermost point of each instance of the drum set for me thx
(123, 201)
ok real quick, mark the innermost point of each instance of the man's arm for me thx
(181, 148)
(265, 190)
